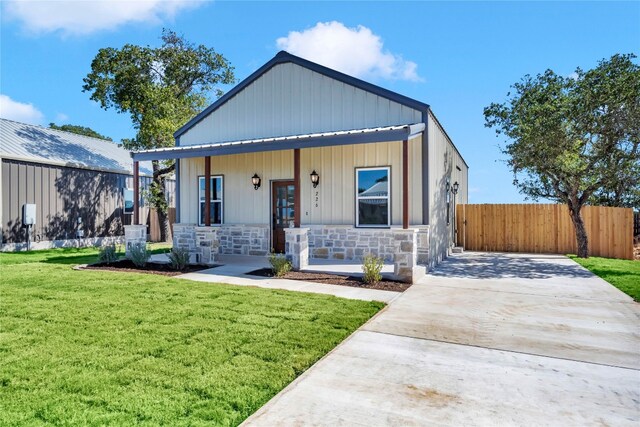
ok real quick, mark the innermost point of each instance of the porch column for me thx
(207, 191)
(296, 188)
(136, 193)
(405, 184)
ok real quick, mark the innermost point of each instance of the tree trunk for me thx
(163, 222)
(159, 198)
(575, 210)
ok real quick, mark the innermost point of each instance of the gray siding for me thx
(444, 162)
(62, 195)
(292, 100)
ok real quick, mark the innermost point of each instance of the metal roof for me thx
(21, 141)
(324, 139)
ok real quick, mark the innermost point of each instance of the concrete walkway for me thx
(486, 339)
(234, 269)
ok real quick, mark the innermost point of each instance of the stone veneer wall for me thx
(202, 242)
(241, 239)
(297, 247)
(134, 235)
(350, 243)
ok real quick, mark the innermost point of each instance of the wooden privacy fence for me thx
(154, 224)
(545, 228)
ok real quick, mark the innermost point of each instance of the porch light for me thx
(255, 180)
(455, 187)
(315, 178)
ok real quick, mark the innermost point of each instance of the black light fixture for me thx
(255, 180)
(315, 178)
(455, 187)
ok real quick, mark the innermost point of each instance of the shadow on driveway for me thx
(481, 265)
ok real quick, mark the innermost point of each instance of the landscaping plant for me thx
(279, 264)
(371, 267)
(108, 254)
(139, 255)
(179, 258)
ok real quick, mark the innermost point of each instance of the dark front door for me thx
(282, 212)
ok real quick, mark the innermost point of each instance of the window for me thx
(216, 209)
(128, 201)
(373, 207)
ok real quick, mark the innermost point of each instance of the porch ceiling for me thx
(324, 139)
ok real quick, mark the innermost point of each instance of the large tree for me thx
(161, 88)
(574, 139)
(79, 130)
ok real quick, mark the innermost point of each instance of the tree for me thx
(574, 139)
(79, 130)
(161, 89)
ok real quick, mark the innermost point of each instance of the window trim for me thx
(358, 198)
(221, 201)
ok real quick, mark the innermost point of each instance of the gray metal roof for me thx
(21, 141)
(323, 139)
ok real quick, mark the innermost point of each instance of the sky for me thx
(458, 57)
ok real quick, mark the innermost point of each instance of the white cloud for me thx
(354, 51)
(77, 17)
(61, 117)
(18, 111)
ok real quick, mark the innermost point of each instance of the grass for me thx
(621, 273)
(96, 348)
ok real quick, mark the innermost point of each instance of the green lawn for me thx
(96, 348)
(621, 273)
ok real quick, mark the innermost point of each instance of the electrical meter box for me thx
(28, 214)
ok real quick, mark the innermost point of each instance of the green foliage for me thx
(139, 254)
(622, 273)
(90, 348)
(279, 264)
(179, 258)
(161, 88)
(108, 254)
(575, 139)
(372, 267)
(79, 130)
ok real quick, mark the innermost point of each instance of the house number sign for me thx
(316, 198)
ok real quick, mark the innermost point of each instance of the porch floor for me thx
(234, 268)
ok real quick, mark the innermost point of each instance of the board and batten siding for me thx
(291, 100)
(336, 191)
(62, 195)
(444, 162)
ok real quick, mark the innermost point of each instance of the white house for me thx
(305, 160)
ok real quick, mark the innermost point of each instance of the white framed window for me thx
(217, 201)
(373, 200)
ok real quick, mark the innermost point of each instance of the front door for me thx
(282, 212)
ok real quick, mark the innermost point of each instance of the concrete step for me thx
(457, 250)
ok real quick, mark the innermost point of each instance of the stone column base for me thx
(134, 235)
(297, 247)
(405, 259)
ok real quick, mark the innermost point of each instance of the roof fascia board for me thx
(69, 165)
(323, 141)
(284, 57)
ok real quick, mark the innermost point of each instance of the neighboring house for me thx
(77, 183)
(385, 169)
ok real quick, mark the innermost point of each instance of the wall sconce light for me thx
(255, 180)
(315, 178)
(455, 187)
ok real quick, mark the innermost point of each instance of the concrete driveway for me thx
(486, 339)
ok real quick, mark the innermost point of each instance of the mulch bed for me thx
(151, 267)
(334, 279)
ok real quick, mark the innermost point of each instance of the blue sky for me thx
(456, 56)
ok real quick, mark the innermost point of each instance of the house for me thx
(307, 161)
(79, 186)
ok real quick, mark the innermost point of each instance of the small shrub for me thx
(371, 267)
(139, 254)
(279, 264)
(179, 258)
(108, 254)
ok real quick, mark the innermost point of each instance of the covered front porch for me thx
(236, 224)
